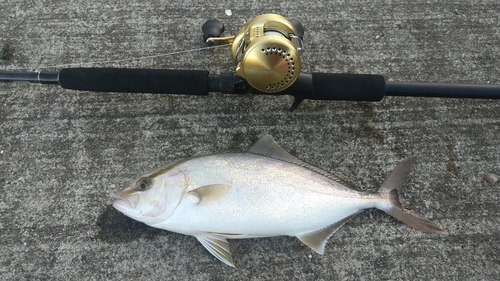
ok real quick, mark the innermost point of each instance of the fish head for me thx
(152, 197)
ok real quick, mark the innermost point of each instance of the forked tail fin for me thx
(392, 191)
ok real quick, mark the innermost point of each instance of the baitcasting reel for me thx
(266, 50)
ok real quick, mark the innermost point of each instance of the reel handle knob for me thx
(299, 27)
(212, 28)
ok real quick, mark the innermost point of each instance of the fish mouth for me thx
(124, 202)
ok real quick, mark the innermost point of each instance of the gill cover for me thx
(164, 189)
(172, 184)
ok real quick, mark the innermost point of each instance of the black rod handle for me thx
(192, 82)
(353, 87)
(443, 90)
(335, 86)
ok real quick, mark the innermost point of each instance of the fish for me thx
(261, 192)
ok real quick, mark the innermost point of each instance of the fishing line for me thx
(124, 60)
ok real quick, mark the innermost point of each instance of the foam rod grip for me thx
(353, 87)
(192, 82)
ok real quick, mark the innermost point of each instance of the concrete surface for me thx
(64, 154)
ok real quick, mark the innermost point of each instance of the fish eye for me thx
(143, 184)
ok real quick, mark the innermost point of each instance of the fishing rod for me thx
(267, 54)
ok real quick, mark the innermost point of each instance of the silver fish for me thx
(262, 192)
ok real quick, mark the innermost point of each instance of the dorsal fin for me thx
(267, 147)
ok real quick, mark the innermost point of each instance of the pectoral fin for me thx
(209, 193)
(317, 239)
(217, 246)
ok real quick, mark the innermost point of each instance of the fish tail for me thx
(392, 193)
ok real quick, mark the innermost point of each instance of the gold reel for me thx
(266, 51)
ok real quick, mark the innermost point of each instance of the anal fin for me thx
(217, 246)
(317, 239)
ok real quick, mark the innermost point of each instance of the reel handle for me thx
(212, 28)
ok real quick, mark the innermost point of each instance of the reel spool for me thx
(266, 50)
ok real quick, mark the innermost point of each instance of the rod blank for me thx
(442, 90)
(33, 77)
